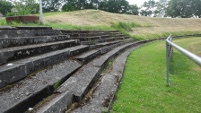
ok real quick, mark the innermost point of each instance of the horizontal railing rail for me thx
(169, 46)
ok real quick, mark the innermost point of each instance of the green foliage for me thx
(184, 8)
(127, 26)
(5, 7)
(148, 11)
(143, 87)
(24, 7)
(52, 5)
(57, 84)
(180, 8)
(114, 6)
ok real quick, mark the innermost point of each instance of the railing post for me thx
(167, 63)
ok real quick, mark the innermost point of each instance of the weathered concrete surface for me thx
(33, 64)
(11, 73)
(103, 94)
(15, 53)
(28, 92)
(83, 80)
(27, 33)
(34, 28)
(20, 41)
(56, 105)
(87, 56)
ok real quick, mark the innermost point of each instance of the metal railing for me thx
(169, 46)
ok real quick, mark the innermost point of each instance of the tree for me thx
(196, 5)
(118, 6)
(180, 8)
(115, 6)
(161, 10)
(148, 8)
(52, 5)
(6, 7)
(24, 7)
(134, 10)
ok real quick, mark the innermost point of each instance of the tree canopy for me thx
(6, 7)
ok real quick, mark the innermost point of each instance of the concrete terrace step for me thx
(34, 28)
(79, 34)
(15, 71)
(76, 87)
(86, 31)
(101, 48)
(104, 90)
(15, 53)
(27, 33)
(87, 56)
(27, 93)
(98, 37)
(20, 41)
(101, 40)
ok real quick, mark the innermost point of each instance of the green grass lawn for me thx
(143, 87)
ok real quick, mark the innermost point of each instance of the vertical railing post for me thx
(41, 12)
(167, 63)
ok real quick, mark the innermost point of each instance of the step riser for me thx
(30, 102)
(9, 76)
(27, 41)
(20, 54)
(83, 81)
(27, 33)
(46, 81)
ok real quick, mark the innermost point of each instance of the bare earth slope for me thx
(150, 25)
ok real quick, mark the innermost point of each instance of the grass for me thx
(77, 27)
(127, 26)
(143, 88)
(137, 27)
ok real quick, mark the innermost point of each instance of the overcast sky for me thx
(138, 2)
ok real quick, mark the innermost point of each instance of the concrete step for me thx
(85, 31)
(34, 28)
(15, 71)
(76, 87)
(26, 93)
(104, 90)
(27, 33)
(96, 41)
(12, 42)
(16, 53)
(92, 38)
(87, 56)
(101, 48)
(99, 45)
(74, 35)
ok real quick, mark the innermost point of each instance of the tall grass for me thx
(76, 27)
(127, 26)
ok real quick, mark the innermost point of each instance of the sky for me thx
(138, 2)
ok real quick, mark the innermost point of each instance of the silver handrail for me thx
(169, 45)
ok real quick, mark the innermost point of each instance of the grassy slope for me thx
(149, 26)
(99, 20)
(143, 88)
